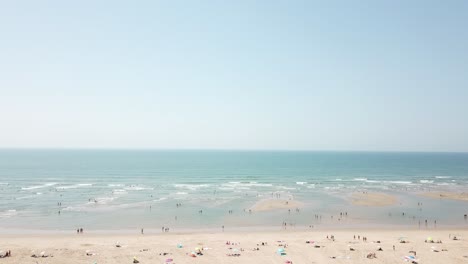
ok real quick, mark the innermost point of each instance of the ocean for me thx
(130, 189)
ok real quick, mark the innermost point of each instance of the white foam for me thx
(445, 184)
(74, 186)
(360, 179)
(373, 181)
(3, 183)
(242, 185)
(181, 193)
(115, 185)
(192, 187)
(119, 192)
(39, 186)
(426, 181)
(399, 182)
(137, 188)
(8, 213)
(105, 200)
(285, 188)
(301, 183)
(226, 188)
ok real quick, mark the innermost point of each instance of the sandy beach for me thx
(150, 248)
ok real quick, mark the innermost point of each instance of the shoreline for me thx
(248, 229)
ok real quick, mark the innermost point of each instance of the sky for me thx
(284, 75)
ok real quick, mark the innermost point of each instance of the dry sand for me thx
(275, 204)
(146, 248)
(372, 199)
(447, 195)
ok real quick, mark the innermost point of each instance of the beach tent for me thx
(179, 246)
(280, 251)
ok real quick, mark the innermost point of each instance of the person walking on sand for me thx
(142, 231)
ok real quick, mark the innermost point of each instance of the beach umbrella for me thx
(280, 250)
(169, 260)
(179, 246)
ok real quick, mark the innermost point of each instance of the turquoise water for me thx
(125, 189)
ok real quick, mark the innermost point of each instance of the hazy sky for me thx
(329, 75)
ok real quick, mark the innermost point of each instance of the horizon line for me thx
(224, 149)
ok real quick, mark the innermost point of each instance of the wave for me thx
(39, 186)
(372, 181)
(398, 182)
(119, 192)
(74, 186)
(226, 188)
(426, 181)
(137, 188)
(115, 185)
(443, 177)
(446, 183)
(301, 183)
(285, 188)
(192, 187)
(360, 179)
(8, 213)
(240, 185)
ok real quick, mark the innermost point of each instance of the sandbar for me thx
(372, 199)
(463, 196)
(275, 204)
